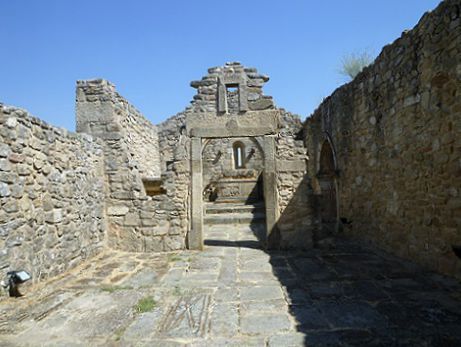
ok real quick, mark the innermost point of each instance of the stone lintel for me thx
(250, 123)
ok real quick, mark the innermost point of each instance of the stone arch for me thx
(329, 151)
(327, 172)
(327, 163)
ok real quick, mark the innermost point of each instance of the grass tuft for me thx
(146, 304)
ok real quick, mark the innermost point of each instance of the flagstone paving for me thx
(235, 294)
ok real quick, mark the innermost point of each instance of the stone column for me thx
(195, 237)
(270, 184)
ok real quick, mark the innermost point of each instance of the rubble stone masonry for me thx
(51, 194)
(395, 130)
(136, 221)
(380, 159)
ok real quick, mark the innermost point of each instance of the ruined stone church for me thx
(379, 160)
(230, 157)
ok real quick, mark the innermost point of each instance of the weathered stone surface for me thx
(4, 190)
(264, 324)
(383, 165)
(98, 303)
(54, 216)
(395, 134)
(131, 156)
(33, 215)
(220, 121)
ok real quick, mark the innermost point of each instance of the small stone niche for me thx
(153, 187)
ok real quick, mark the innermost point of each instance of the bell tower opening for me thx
(232, 98)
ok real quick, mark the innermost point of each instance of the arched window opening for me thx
(239, 155)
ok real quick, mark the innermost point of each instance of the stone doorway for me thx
(216, 179)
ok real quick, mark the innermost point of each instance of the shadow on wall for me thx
(296, 224)
(327, 196)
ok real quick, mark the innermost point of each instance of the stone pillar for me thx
(222, 98)
(243, 96)
(270, 190)
(195, 236)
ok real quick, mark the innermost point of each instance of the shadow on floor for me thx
(356, 296)
(225, 243)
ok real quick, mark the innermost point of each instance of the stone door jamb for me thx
(195, 235)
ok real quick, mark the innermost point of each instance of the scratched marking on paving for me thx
(188, 317)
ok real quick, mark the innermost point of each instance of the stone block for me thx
(11, 206)
(54, 216)
(132, 219)
(264, 324)
(173, 243)
(148, 222)
(119, 210)
(4, 150)
(4, 190)
(162, 228)
(5, 165)
(23, 170)
(153, 244)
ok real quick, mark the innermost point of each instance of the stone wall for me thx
(296, 217)
(141, 139)
(170, 140)
(51, 193)
(137, 222)
(395, 131)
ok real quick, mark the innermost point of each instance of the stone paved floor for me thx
(234, 294)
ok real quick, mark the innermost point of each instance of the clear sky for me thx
(151, 50)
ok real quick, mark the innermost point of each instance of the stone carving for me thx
(188, 317)
(229, 190)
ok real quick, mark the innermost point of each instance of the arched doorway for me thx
(328, 202)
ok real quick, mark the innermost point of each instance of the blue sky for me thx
(151, 50)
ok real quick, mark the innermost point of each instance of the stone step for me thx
(211, 209)
(234, 218)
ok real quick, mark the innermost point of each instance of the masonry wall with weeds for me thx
(395, 130)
